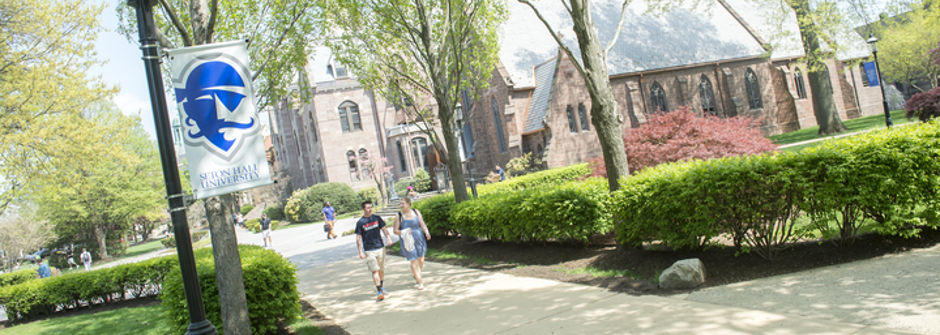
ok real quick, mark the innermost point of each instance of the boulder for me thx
(684, 274)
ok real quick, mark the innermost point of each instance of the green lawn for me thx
(143, 248)
(862, 123)
(304, 224)
(143, 320)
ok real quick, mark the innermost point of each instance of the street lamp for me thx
(884, 101)
(171, 175)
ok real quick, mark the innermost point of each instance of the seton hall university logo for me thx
(211, 99)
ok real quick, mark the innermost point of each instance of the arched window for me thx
(500, 138)
(582, 115)
(419, 147)
(349, 117)
(364, 162)
(353, 165)
(658, 97)
(708, 96)
(800, 85)
(753, 89)
(572, 123)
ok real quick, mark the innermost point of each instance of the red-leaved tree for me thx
(682, 135)
(924, 105)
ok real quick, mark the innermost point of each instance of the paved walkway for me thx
(858, 298)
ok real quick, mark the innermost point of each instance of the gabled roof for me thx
(647, 42)
(544, 79)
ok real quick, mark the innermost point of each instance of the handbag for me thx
(407, 241)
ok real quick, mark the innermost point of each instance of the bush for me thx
(170, 241)
(436, 213)
(422, 181)
(886, 180)
(275, 211)
(16, 277)
(40, 298)
(270, 288)
(401, 186)
(254, 225)
(246, 208)
(371, 194)
(682, 135)
(524, 164)
(305, 205)
(924, 105)
(568, 212)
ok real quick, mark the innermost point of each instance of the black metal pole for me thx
(171, 176)
(884, 100)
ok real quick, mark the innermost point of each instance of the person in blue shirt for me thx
(43, 271)
(502, 174)
(329, 218)
(371, 245)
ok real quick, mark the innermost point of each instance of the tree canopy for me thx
(904, 46)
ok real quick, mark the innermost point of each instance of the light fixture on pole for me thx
(884, 101)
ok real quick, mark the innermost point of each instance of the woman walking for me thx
(414, 236)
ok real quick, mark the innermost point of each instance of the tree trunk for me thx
(824, 106)
(228, 266)
(604, 115)
(446, 115)
(101, 236)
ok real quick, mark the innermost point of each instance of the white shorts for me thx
(265, 233)
(375, 259)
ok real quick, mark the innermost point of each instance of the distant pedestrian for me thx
(329, 220)
(502, 174)
(414, 236)
(43, 271)
(371, 245)
(69, 254)
(412, 194)
(266, 230)
(86, 259)
(241, 220)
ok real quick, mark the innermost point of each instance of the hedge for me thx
(305, 205)
(39, 298)
(170, 241)
(437, 210)
(370, 193)
(246, 208)
(568, 212)
(270, 288)
(884, 181)
(275, 211)
(16, 277)
(254, 225)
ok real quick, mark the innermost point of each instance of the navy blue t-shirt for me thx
(370, 228)
(265, 223)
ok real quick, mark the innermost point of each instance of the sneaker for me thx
(419, 287)
(380, 296)
(384, 292)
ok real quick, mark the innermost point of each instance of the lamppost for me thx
(884, 101)
(171, 176)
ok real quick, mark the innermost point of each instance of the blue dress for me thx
(421, 244)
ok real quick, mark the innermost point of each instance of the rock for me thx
(684, 274)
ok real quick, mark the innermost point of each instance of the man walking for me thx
(371, 246)
(266, 230)
(329, 220)
(86, 259)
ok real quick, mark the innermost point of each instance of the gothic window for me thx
(658, 97)
(419, 147)
(708, 96)
(353, 165)
(582, 114)
(800, 85)
(349, 117)
(572, 123)
(364, 162)
(500, 138)
(753, 89)
(401, 157)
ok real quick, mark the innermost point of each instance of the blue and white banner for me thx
(222, 134)
(871, 73)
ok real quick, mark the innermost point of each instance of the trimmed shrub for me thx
(270, 288)
(924, 105)
(40, 298)
(401, 186)
(170, 241)
(275, 211)
(422, 181)
(17, 277)
(371, 194)
(524, 164)
(246, 208)
(436, 213)
(568, 212)
(254, 225)
(305, 205)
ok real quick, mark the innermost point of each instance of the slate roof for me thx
(544, 77)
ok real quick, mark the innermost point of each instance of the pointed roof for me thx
(544, 79)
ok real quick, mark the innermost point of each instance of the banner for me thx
(871, 73)
(221, 131)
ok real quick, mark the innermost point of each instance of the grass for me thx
(303, 326)
(142, 320)
(597, 272)
(143, 248)
(304, 224)
(853, 125)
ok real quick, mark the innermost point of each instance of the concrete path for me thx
(467, 301)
